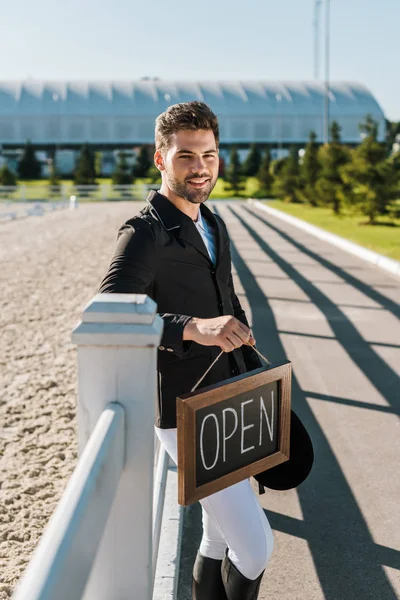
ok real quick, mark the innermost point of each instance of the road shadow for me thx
(363, 287)
(380, 374)
(346, 559)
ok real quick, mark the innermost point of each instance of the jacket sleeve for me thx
(132, 271)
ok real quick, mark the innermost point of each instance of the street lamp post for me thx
(327, 49)
(278, 98)
(316, 38)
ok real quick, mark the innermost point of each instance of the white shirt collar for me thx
(200, 222)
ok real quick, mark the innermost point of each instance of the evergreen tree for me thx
(373, 177)
(7, 177)
(252, 164)
(332, 157)
(29, 167)
(310, 170)
(54, 180)
(85, 173)
(233, 173)
(392, 131)
(142, 163)
(154, 174)
(287, 181)
(122, 173)
(264, 174)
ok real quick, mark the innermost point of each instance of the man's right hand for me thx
(227, 332)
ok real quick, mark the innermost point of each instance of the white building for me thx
(114, 114)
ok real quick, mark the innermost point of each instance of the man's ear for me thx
(159, 160)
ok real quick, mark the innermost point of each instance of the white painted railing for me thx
(102, 191)
(102, 541)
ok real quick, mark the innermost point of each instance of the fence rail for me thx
(100, 192)
(68, 547)
(102, 541)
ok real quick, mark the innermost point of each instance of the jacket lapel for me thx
(190, 235)
(181, 225)
(220, 235)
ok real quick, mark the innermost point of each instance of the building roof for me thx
(150, 97)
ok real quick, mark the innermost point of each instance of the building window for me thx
(146, 130)
(27, 131)
(76, 131)
(7, 131)
(52, 131)
(262, 131)
(239, 131)
(287, 130)
(99, 130)
(123, 130)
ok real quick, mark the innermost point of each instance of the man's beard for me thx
(183, 189)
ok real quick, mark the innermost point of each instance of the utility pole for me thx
(327, 49)
(316, 37)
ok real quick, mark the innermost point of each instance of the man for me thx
(177, 251)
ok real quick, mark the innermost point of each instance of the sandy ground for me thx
(50, 267)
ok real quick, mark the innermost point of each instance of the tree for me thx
(54, 180)
(7, 177)
(373, 177)
(332, 157)
(142, 163)
(122, 174)
(85, 173)
(392, 131)
(309, 171)
(264, 174)
(29, 167)
(287, 180)
(233, 173)
(154, 174)
(251, 165)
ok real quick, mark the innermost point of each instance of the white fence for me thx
(103, 191)
(102, 541)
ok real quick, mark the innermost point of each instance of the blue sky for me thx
(211, 39)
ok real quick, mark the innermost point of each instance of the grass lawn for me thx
(251, 190)
(383, 238)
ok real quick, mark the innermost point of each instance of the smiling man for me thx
(177, 251)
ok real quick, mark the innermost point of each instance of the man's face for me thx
(190, 164)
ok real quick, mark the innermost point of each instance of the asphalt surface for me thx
(337, 537)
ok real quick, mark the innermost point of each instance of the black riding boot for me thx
(237, 586)
(207, 581)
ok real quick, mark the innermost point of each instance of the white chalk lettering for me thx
(211, 415)
(243, 428)
(225, 438)
(269, 423)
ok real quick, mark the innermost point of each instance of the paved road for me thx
(337, 319)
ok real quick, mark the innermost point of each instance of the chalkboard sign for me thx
(230, 431)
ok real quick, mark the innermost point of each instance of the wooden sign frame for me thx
(188, 491)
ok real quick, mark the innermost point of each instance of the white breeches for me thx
(232, 518)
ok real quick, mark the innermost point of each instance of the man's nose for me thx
(198, 164)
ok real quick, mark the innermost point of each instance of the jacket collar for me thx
(171, 218)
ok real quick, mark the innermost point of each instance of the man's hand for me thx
(227, 332)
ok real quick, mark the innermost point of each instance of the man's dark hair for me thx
(186, 115)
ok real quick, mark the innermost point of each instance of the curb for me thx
(169, 552)
(383, 262)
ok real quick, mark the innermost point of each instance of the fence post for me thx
(117, 361)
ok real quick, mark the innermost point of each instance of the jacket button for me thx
(212, 272)
(161, 347)
(169, 349)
